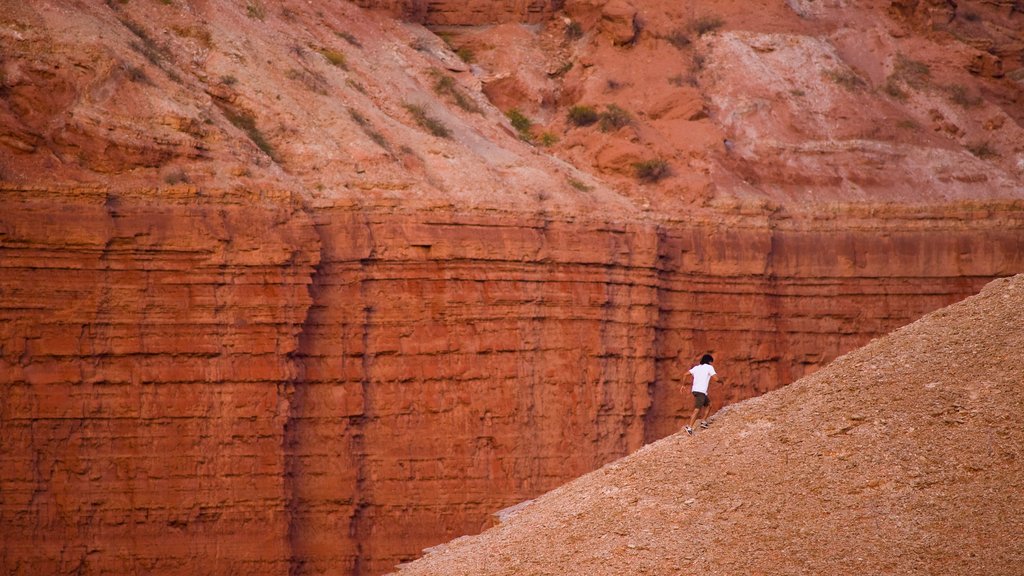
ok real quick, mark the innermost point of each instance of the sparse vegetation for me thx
(613, 118)
(247, 123)
(521, 123)
(581, 115)
(348, 37)
(706, 24)
(427, 122)
(228, 80)
(651, 170)
(136, 74)
(893, 88)
(465, 53)
(368, 129)
(562, 70)
(573, 30)
(201, 35)
(982, 150)
(577, 184)
(680, 80)
(156, 54)
(908, 124)
(355, 85)
(679, 38)
(846, 78)
(255, 9)
(312, 81)
(334, 57)
(548, 139)
(961, 96)
(912, 72)
(445, 85)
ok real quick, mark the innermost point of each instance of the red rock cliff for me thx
(283, 292)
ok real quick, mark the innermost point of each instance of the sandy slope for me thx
(903, 457)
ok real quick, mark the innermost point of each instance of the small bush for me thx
(255, 9)
(582, 187)
(573, 31)
(892, 88)
(706, 24)
(651, 170)
(228, 80)
(561, 71)
(846, 78)
(580, 115)
(959, 95)
(465, 53)
(678, 38)
(908, 124)
(246, 123)
(982, 150)
(334, 57)
(368, 129)
(427, 122)
(548, 139)
(348, 37)
(445, 86)
(312, 81)
(613, 118)
(913, 72)
(136, 74)
(521, 123)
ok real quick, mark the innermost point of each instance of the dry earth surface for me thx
(905, 456)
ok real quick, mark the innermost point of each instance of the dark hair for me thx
(706, 359)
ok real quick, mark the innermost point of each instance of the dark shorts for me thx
(701, 400)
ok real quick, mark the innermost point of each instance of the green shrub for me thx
(548, 139)
(581, 115)
(521, 123)
(445, 85)
(247, 123)
(334, 57)
(613, 118)
(427, 122)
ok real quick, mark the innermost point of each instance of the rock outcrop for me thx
(281, 291)
(902, 457)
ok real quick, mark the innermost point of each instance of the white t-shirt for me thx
(702, 374)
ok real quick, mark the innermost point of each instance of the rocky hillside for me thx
(903, 457)
(307, 287)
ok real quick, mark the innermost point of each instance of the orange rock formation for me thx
(285, 290)
(903, 457)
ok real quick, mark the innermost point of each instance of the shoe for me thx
(689, 431)
(704, 424)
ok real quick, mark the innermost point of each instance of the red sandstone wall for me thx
(455, 364)
(143, 350)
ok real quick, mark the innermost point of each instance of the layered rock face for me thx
(145, 349)
(282, 292)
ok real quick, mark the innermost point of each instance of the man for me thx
(702, 375)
